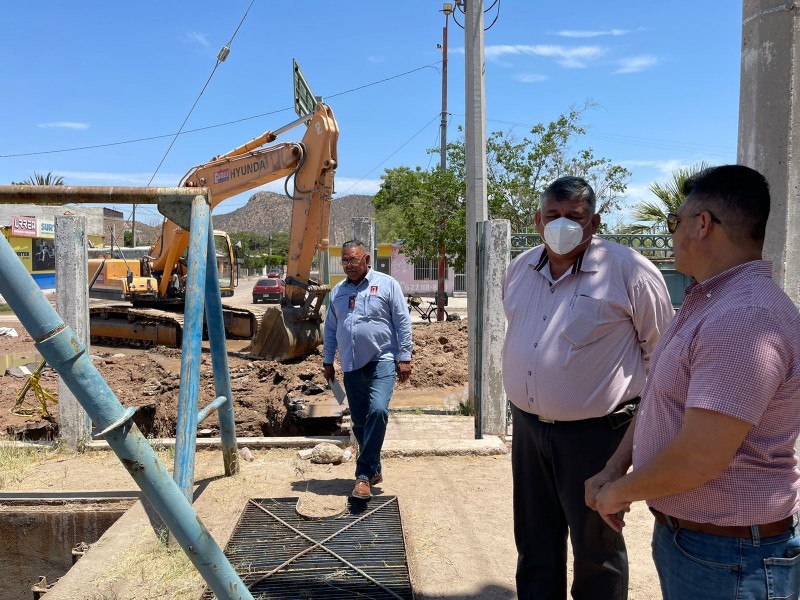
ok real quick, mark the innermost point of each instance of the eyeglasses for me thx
(353, 262)
(673, 220)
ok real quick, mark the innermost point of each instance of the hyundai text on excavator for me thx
(155, 284)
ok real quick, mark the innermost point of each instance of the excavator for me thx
(155, 286)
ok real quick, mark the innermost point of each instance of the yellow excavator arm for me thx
(312, 161)
(293, 329)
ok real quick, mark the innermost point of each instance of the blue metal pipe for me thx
(219, 360)
(191, 349)
(60, 347)
(210, 408)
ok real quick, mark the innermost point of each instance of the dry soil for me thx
(456, 511)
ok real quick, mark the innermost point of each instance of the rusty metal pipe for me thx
(68, 194)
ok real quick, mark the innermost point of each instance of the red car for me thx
(268, 289)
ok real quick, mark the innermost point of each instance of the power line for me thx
(632, 140)
(147, 139)
(223, 54)
(198, 129)
(404, 144)
(366, 85)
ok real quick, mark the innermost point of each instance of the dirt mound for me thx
(150, 381)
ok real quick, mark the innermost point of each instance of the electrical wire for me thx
(460, 7)
(629, 139)
(403, 145)
(224, 124)
(497, 16)
(361, 87)
(147, 139)
(220, 59)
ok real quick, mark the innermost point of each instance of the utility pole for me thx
(447, 9)
(133, 229)
(475, 149)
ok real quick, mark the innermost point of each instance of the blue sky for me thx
(80, 74)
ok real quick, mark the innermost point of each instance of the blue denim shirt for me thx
(367, 322)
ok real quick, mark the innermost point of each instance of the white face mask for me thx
(563, 235)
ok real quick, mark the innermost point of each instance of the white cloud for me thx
(197, 37)
(571, 58)
(530, 77)
(375, 59)
(572, 33)
(64, 125)
(663, 167)
(635, 64)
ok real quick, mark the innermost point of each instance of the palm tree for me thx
(39, 179)
(652, 215)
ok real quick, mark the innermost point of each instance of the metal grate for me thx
(359, 554)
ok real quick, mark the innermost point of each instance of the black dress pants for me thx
(550, 462)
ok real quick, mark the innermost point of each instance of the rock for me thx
(305, 454)
(312, 389)
(326, 453)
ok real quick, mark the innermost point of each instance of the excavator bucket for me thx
(286, 332)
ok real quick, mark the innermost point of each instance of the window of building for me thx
(426, 270)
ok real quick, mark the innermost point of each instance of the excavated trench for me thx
(44, 535)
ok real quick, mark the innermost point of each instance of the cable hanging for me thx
(223, 54)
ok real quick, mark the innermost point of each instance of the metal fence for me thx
(656, 247)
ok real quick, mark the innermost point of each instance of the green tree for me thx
(39, 179)
(259, 250)
(651, 215)
(429, 209)
(410, 201)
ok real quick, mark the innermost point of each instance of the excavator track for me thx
(139, 327)
(125, 325)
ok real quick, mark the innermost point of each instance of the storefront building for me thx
(31, 232)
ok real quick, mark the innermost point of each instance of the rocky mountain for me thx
(267, 212)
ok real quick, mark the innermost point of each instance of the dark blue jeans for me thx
(369, 390)
(698, 565)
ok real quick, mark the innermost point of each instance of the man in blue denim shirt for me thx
(368, 322)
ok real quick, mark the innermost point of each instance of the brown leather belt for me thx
(731, 531)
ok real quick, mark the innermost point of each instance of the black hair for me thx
(737, 195)
(568, 188)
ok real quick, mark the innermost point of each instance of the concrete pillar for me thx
(72, 305)
(769, 125)
(496, 248)
(364, 229)
(475, 150)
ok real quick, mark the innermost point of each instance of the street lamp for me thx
(447, 9)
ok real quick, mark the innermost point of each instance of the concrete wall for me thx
(769, 125)
(38, 540)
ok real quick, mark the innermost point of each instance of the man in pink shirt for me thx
(713, 446)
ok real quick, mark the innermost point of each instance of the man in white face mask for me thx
(583, 315)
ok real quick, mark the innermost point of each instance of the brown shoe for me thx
(361, 491)
(376, 479)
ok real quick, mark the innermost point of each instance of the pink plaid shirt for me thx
(734, 348)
